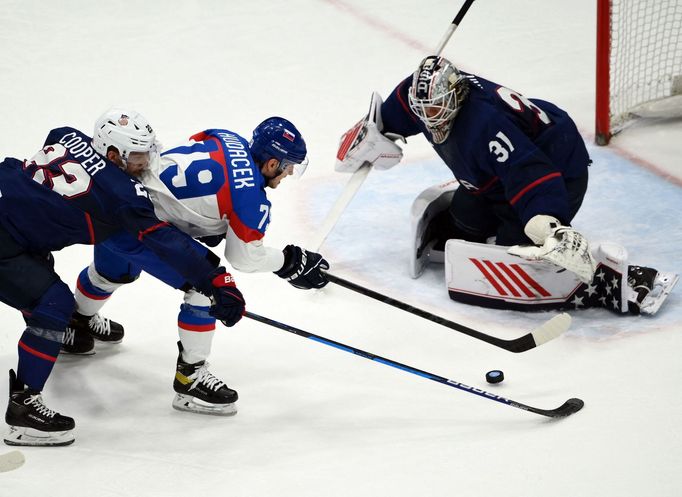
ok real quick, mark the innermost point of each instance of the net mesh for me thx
(646, 54)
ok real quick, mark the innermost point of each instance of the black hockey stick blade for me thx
(566, 409)
(549, 330)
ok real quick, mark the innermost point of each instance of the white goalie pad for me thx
(487, 275)
(430, 202)
(364, 143)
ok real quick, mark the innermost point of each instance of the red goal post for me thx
(639, 63)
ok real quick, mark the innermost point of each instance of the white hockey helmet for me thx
(126, 130)
(437, 92)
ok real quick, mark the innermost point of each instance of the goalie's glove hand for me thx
(303, 269)
(365, 143)
(227, 301)
(560, 245)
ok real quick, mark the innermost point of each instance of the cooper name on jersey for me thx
(79, 148)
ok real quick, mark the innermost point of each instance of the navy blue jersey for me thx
(503, 146)
(68, 194)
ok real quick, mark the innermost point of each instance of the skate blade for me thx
(29, 437)
(192, 404)
(87, 352)
(663, 285)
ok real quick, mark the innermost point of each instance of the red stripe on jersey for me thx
(91, 229)
(489, 277)
(535, 183)
(501, 277)
(243, 232)
(199, 137)
(36, 353)
(402, 101)
(530, 280)
(224, 195)
(487, 186)
(142, 234)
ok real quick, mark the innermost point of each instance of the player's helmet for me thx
(279, 139)
(124, 129)
(437, 92)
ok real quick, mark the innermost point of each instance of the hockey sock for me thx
(38, 351)
(90, 298)
(195, 327)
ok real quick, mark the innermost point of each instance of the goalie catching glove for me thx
(560, 245)
(364, 143)
(303, 269)
(227, 301)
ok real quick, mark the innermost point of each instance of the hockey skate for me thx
(197, 390)
(649, 288)
(99, 328)
(31, 423)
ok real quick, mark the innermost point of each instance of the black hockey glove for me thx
(228, 302)
(211, 240)
(303, 269)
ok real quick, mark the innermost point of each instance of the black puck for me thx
(494, 376)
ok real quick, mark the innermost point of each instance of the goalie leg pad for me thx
(425, 207)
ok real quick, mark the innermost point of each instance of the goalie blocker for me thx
(489, 276)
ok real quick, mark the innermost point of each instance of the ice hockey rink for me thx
(314, 420)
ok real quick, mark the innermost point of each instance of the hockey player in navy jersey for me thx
(521, 170)
(70, 194)
(213, 188)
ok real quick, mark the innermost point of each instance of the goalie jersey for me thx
(212, 186)
(503, 146)
(68, 194)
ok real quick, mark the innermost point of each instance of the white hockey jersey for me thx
(212, 186)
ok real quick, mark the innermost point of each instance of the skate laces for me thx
(37, 402)
(100, 325)
(69, 336)
(203, 375)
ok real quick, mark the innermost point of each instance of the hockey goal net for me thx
(639, 62)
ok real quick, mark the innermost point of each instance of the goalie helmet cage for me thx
(639, 62)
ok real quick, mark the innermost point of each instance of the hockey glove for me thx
(560, 245)
(365, 143)
(228, 302)
(303, 269)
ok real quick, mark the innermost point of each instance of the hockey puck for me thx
(494, 376)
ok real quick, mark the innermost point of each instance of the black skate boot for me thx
(100, 328)
(641, 280)
(649, 288)
(77, 339)
(30, 422)
(197, 390)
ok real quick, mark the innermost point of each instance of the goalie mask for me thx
(277, 138)
(436, 95)
(128, 132)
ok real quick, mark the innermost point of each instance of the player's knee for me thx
(54, 309)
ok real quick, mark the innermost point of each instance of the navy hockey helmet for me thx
(279, 139)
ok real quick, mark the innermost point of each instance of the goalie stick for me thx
(549, 330)
(11, 461)
(566, 409)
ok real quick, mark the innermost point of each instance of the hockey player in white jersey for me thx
(213, 188)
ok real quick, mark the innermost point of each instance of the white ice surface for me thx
(313, 420)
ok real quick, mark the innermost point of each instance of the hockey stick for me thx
(349, 191)
(566, 409)
(359, 176)
(11, 461)
(549, 330)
